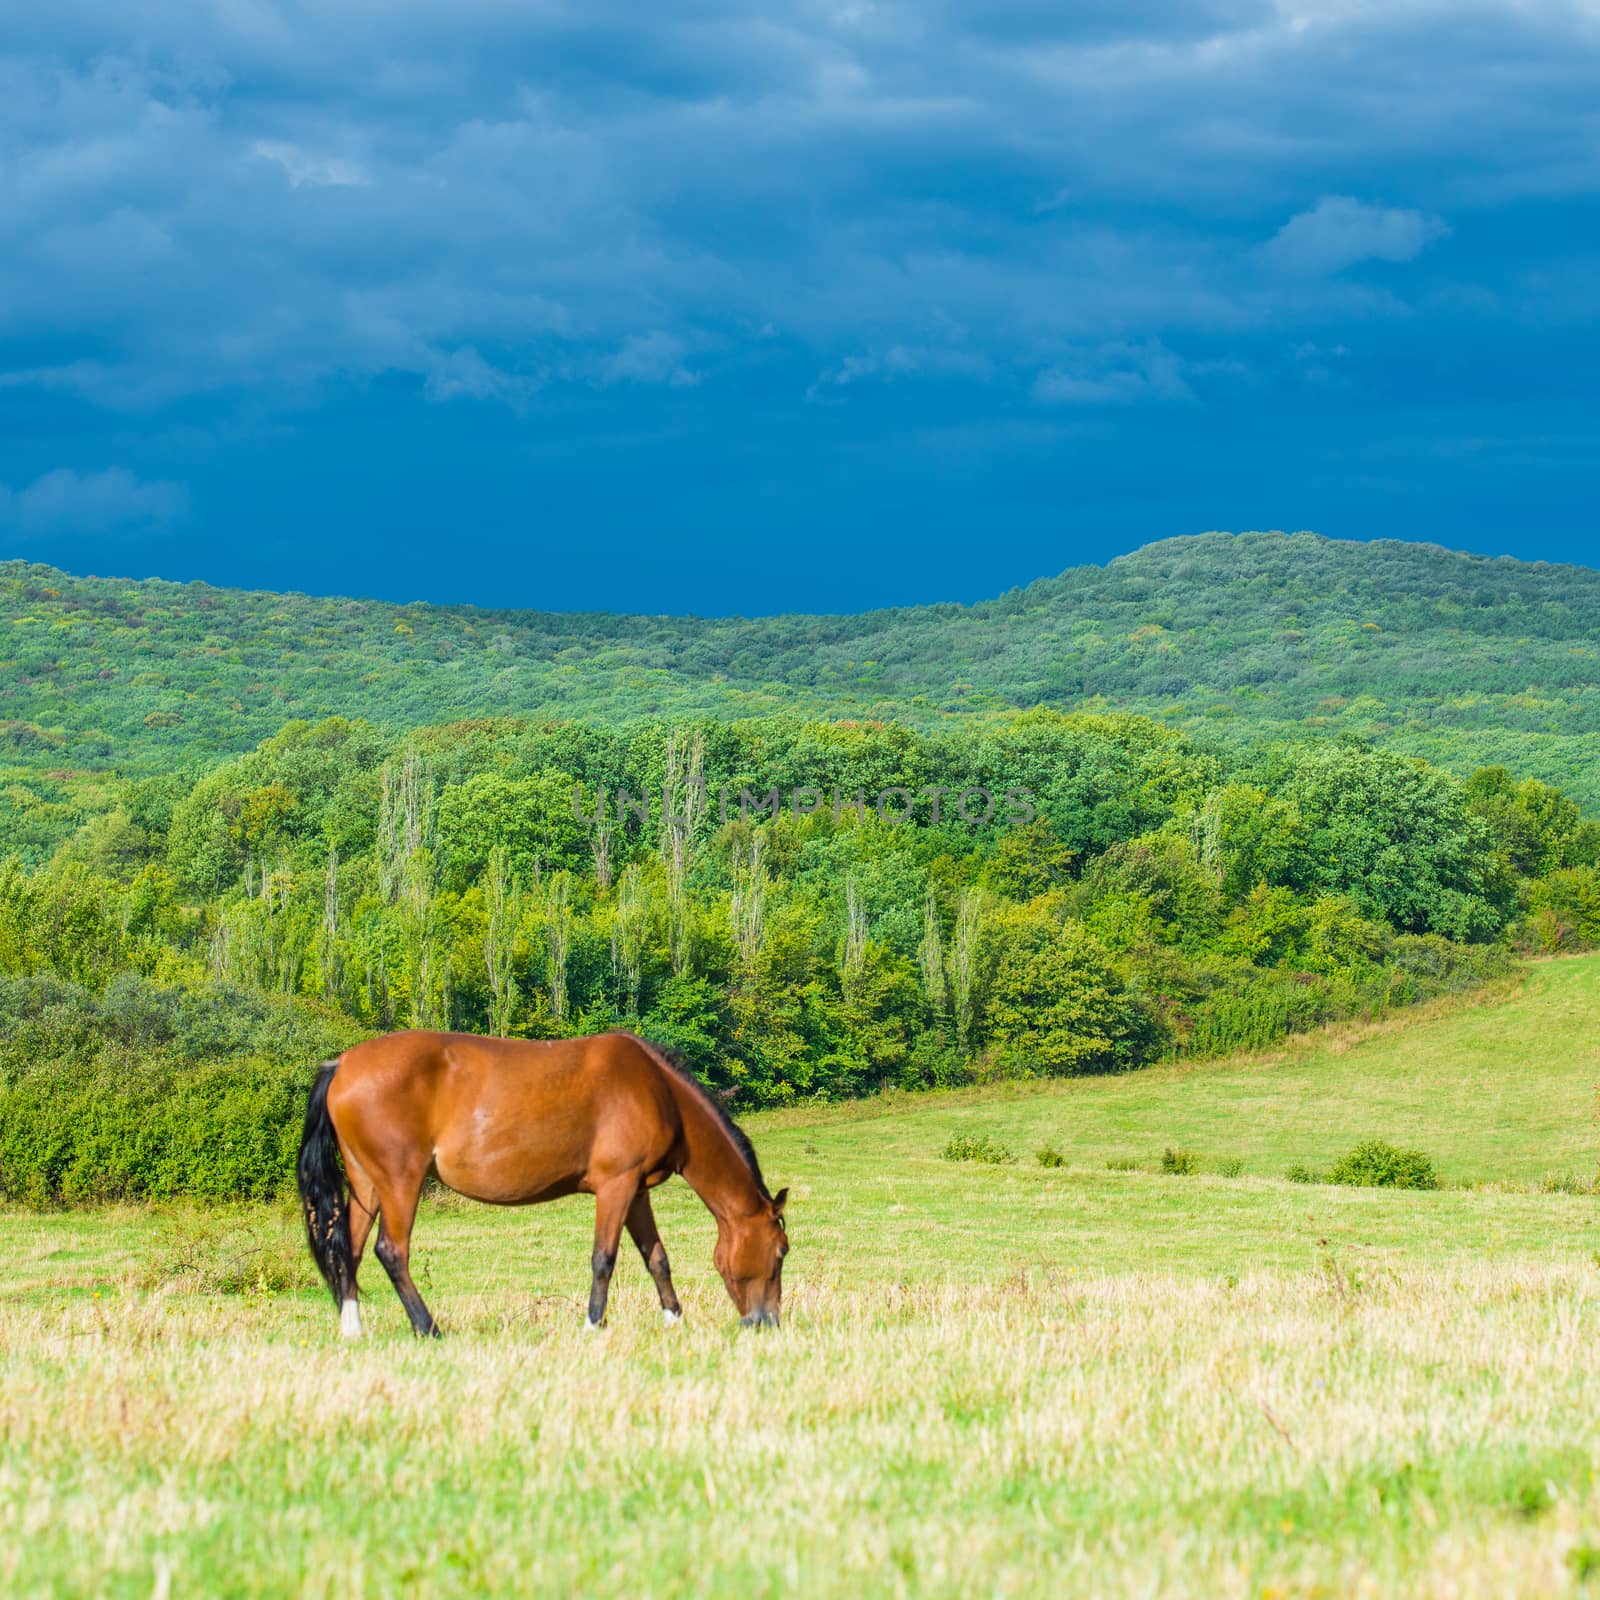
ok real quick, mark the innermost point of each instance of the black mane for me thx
(676, 1063)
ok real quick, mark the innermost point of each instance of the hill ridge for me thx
(17, 566)
(1455, 656)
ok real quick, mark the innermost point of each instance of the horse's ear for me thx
(778, 1201)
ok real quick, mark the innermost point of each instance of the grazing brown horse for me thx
(514, 1122)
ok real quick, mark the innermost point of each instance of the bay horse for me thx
(516, 1122)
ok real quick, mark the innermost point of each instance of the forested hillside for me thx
(238, 831)
(1464, 659)
(804, 908)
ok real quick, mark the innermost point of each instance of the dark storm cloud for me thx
(257, 204)
(267, 193)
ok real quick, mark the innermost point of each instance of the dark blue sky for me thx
(757, 306)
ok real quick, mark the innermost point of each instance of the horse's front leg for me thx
(611, 1203)
(642, 1230)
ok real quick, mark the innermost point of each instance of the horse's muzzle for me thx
(760, 1319)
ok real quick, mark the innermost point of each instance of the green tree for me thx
(1397, 836)
(531, 818)
(1052, 1001)
(1244, 836)
(1537, 826)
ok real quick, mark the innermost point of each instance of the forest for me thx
(1218, 791)
(1466, 660)
(178, 963)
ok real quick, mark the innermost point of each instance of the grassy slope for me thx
(1504, 1089)
(1011, 1380)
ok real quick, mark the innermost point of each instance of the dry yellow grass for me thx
(1422, 1431)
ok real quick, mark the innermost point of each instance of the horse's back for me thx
(508, 1120)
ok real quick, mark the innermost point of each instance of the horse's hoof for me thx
(349, 1320)
(670, 1317)
(593, 1327)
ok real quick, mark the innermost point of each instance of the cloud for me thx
(654, 357)
(463, 374)
(1339, 231)
(898, 361)
(303, 167)
(248, 202)
(69, 502)
(1114, 375)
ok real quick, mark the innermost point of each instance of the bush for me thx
(1271, 1006)
(1230, 1167)
(207, 1252)
(1121, 1164)
(967, 1147)
(150, 1093)
(134, 1129)
(1376, 1165)
(1569, 1183)
(1583, 1561)
(1563, 912)
(1179, 1163)
(1299, 1172)
(1049, 1156)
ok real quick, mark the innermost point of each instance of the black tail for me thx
(324, 1194)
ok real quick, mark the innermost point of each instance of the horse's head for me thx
(750, 1252)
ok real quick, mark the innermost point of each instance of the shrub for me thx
(1121, 1164)
(132, 1130)
(1376, 1165)
(202, 1252)
(1178, 1163)
(1583, 1561)
(1049, 1156)
(1299, 1172)
(979, 1147)
(149, 1093)
(1230, 1167)
(1563, 911)
(1569, 1183)
(1532, 1498)
(1271, 1006)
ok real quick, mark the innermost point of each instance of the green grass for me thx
(992, 1379)
(1504, 1091)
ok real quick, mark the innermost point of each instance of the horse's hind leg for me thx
(642, 1230)
(363, 1213)
(397, 1205)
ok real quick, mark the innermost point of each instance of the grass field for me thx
(992, 1379)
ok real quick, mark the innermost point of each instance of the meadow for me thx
(1001, 1379)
